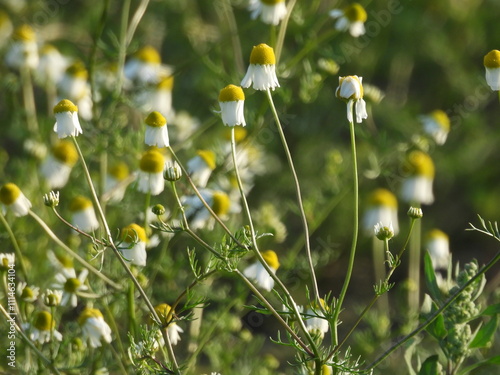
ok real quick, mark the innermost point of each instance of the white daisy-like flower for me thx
(43, 328)
(200, 167)
(13, 198)
(84, 217)
(144, 66)
(52, 298)
(259, 274)
(262, 69)
(117, 182)
(23, 51)
(166, 315)
(492, 67)
(316, 324)
(382, 207)
(383, 232)
(94, 327)
(70, 285)
(150, 177)
(27, 293)
(198, 216)
(133, 245)
(67, 123)
(52, 65)
(437, 125)
(156, 130)
(157, 97)
(352, 18)
(438, 245)
(350, 90)
(270, 11)
(58, 165)
(74, 85)
(7, 260)
(417, 187)
(232, 101)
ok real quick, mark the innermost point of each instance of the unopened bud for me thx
(51, 199)
(415, 213)
(172, 171)
(158, 210)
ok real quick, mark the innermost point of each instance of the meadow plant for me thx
(226, 236)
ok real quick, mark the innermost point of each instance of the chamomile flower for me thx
(43, 328)
(232, 101)
(157, 97)
(67, 123)
(417, 187)
(438, 245)
(150, 177)
(74, 85)
(94, 327)
(262, 69)
(382, 207)
(52, 65)
(7, 260)
(383, 232)
(23, 51)
(84, 217)
(144, 66)
(27, 293)
(492, 67)
(437, 125)
(270, 11)
(352, 18)
(133, 245)
(116, 181)
(57, 167)
(71, 285)
(200, 167)
(52, 298)
(156, 130)
(259, 274)
(316, 324)
(13, 198)
(198, 216)
(350, 90)
(166, 315)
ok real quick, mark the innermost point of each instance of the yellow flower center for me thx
(441, 118)
(262, 55)
(9, 193)
(77, 70)
(271, 2)
(87, 314)
(119, 171)
(166, 83)
(156, 120)
(220, 203)
(65, 105)
(152, 162)
(47, 48)
(66, 261)
(164, 312)
(24, 33)
(355, 13)
(231, 93)
(80, 203)
(148, 54)
(436, 233)
(27, 293)
(43, 321)
(133, 232)
(492, 59)
(72, 284)
(420, 164)
(271, 259)
(65, 152)
(383, 197)
(208, 157)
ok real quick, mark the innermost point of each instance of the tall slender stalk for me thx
(299, 198)
(414, 270)
(355, 230)
(29, 101)
(15, 244)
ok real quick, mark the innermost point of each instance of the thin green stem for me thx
(299, 198)
(257, 253)
(123, 263)
(379, 249)
(414, 270)
(73, 254)
(355, 229)
(30, 343)
(147, 202)
(282, 32)
(438, 312)
(29, 101)
(136, 19)
(235, 38)
(15, 244)
(131, 309)
(122, 51)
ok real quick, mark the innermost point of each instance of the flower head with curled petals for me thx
(94, 328)
(270, 11)
(156, 130)
(150, 178)
(350, 90)
(231, 101)
(257, 272)
(352, 18)
(67, 123)
(492, 66)
(262, 69)
(13, 198)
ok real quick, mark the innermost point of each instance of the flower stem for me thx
(29, 101)
(414, 270)
(282, 31)
(15, 244)
(299, 198)
(355, 229)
